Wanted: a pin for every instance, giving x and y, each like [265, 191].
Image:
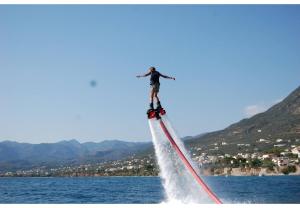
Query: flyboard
[157, 114]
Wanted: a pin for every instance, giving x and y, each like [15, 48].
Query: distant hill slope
[281, 121]
[14, 155]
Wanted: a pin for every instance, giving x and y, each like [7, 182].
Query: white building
[254, 155]
[239, 155]
[296, 150]
[266, 156]
[275, 160]
[285, 153]
[279, 145]
[212, 158]
[130, 167]
[283, 161]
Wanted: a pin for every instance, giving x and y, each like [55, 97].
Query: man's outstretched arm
[144, 75]
[167, 77]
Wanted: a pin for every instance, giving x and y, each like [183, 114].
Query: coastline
[226, 172]
[282, 175]
[260, 171]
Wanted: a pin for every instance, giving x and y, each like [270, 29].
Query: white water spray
[178, 183]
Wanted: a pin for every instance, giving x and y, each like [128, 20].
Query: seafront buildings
[276, 163]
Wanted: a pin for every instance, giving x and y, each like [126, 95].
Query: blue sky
[229, 62]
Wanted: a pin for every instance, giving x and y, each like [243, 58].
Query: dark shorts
[155, 87]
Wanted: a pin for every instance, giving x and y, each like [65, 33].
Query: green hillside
[279, 125]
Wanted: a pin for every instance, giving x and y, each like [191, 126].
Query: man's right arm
[144, 75]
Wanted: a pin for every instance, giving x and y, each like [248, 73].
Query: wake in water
[178, 182]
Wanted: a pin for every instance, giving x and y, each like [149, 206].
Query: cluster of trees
[241, 162]
[289, 169]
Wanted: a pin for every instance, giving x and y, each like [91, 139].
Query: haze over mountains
[281, 121]
[14, 155]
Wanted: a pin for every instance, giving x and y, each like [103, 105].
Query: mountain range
[16, 156]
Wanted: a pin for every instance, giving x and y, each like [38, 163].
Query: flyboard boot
[155, 113]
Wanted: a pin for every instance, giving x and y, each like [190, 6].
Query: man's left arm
[167, 77]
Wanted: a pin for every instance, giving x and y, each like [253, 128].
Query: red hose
[189, 166]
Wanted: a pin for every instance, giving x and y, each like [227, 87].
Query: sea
[142, 190]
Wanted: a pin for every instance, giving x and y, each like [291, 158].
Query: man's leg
[151, 98]
[157, 100]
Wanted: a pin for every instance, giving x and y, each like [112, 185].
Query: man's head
[152, 69]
